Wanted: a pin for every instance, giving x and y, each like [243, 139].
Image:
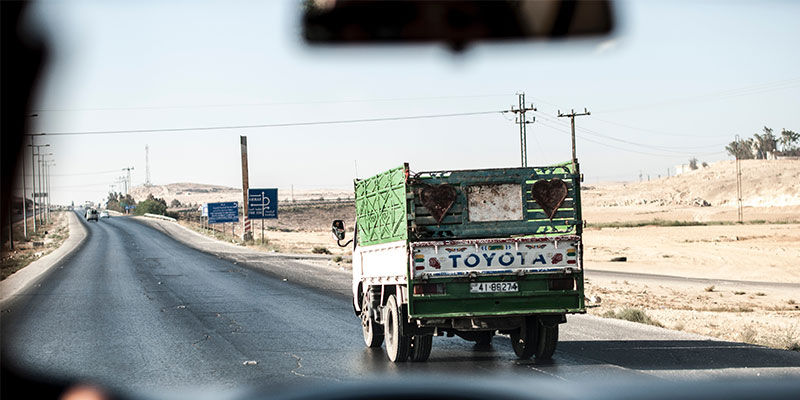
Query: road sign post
[220, 213]
[204, 216]
[262, 204]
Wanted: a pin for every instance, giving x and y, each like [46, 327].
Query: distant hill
[765, 183]
[198, 193]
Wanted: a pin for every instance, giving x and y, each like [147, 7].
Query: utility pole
[50, 163]
[128, 182]
[35, 149]
[522, 120]
[247, 233]
[147, 165]
[41, 188]
[44, 207]
[33, 183]
[739, 186]
[11, 224]
[571, 117]
[24, 201]
[46, 187]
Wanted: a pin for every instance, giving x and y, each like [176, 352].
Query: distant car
[91, 214]
[104, 214]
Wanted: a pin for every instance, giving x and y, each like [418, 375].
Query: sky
[676, 80]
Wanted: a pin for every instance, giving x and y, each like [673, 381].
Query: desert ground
[47, 238]
[679, 226]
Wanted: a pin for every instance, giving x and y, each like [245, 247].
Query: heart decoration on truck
[549, 195]
[437, 199]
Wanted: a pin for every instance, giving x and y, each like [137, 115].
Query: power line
[559, 129]
[652, 130]
[717, 95]
[280, 125]
[85, 173]
[277, 103]
[677, 149]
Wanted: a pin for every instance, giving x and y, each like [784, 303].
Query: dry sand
[765, 249]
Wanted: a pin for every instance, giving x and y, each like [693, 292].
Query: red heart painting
[549, 195]
[437, 199]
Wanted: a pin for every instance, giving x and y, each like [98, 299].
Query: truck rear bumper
[536, 296]
[508, 306]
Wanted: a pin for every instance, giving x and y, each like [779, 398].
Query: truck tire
[484, 338]
[548, 339]
[373, 333]
[524, 340]
[397, 345]
[421, 347]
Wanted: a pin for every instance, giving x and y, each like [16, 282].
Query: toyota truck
[468, 253]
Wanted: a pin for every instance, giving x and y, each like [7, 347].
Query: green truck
[468, 253]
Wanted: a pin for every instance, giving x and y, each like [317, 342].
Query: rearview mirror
[454, 22]
[338, 229]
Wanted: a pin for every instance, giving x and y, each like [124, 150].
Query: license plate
[493, 287]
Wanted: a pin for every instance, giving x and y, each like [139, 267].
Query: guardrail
[301, 203]
[158, 216]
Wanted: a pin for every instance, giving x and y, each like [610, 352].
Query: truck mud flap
[552, 320]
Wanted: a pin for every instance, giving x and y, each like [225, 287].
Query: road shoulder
[296, 268]
[21, 279]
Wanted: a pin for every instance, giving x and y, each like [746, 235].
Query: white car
[91, 214]
[104, 214]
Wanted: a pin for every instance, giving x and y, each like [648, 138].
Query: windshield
[187, 158]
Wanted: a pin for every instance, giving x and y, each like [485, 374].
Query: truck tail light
[561, 284]
[429, 288]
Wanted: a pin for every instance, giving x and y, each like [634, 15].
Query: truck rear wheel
[548, 339]
[484, 338]
[397, 345]
[524, 340]
[373, 333]
[421, 347]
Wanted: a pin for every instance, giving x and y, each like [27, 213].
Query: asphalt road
[134, 308]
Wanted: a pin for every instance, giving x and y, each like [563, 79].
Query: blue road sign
[262, 203]
[130, 207]
[227, 211]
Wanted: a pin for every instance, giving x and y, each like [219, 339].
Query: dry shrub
[320, 250]
[633, 315]
[748, 334]
[787, 338]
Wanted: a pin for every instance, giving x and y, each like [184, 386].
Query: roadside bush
[748, 335]
[151, 205]
[320, 250]
[633, 315]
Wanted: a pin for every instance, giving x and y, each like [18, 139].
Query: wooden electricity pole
[247, 233]
[571, 117]
[739, 186]
[523, 122]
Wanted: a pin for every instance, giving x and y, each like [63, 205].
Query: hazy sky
[678, 79]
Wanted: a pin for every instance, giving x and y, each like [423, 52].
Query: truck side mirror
[338, 229]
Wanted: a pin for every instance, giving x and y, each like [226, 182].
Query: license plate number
[493, 287]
